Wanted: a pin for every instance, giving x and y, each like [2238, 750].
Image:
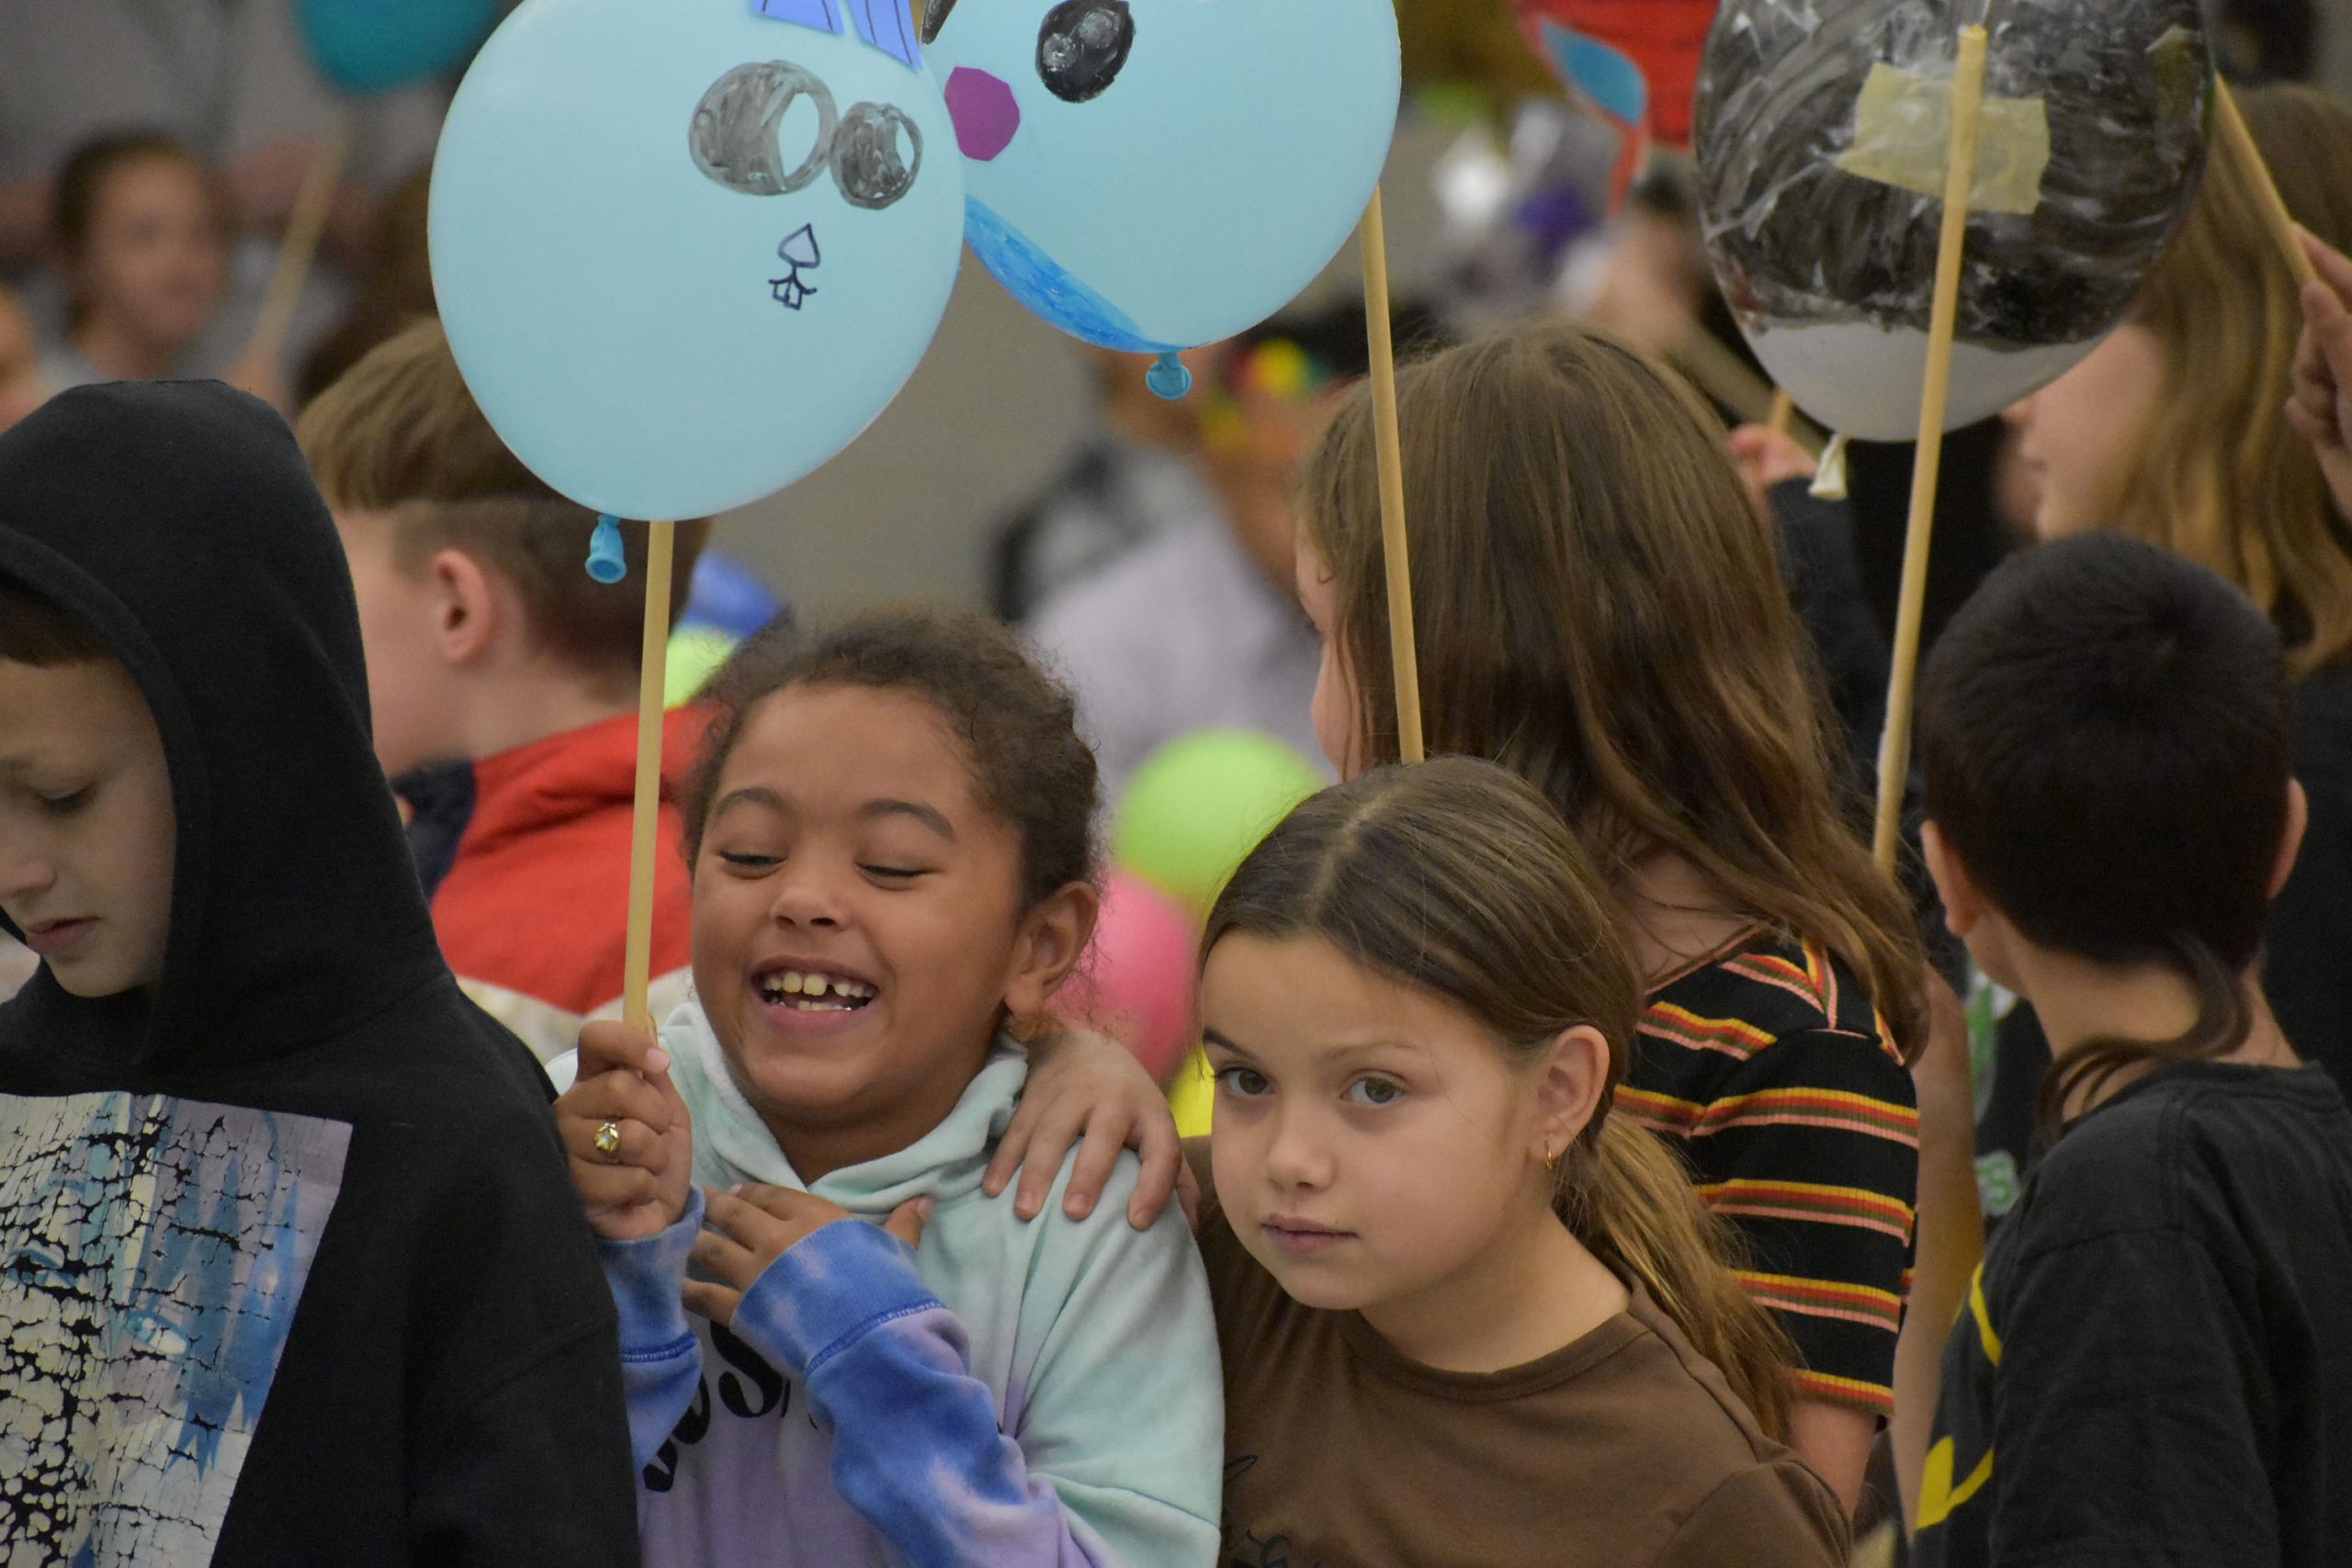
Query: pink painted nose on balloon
[984, 111]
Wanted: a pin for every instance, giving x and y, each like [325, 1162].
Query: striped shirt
[1771, 1070]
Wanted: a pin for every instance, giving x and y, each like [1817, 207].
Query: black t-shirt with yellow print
[2154, 1364]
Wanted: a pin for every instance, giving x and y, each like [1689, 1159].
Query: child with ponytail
[1468, 1315]
[1598, 609]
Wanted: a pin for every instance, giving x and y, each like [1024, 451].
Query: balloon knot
[605, 562]
[1167, 377]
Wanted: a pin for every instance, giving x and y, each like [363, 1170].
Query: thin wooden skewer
[2275, 216]
[1386, 438]
[1960, 182]
[645, 820]
[300, 248]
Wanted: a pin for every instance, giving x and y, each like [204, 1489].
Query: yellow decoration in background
[1191, 1095]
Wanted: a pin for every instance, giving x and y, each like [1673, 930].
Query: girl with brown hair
[1598, 608]
[1467, 1314]
[2171, 430]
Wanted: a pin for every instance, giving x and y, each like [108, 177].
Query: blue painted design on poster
[153, 1254]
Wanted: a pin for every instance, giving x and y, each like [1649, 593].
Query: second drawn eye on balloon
[736, 138]
[1083, 46]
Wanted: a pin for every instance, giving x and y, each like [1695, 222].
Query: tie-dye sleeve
[917, 1448]
[660, 1357]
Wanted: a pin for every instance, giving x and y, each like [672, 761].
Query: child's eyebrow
[751, 795]
[927, 816]
[1211, 1037]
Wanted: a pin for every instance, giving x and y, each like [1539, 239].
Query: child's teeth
[793, 981]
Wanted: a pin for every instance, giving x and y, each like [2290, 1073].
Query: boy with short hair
[290, 1270]
[504, 680]
[2155, 1362]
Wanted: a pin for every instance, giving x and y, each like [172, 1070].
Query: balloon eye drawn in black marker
[1083, 46]
[736, 138]
[866, 163]
[737, 133]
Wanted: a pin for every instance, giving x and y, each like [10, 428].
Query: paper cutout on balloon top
[1154, 174]
[1817, 139]
[686, 252]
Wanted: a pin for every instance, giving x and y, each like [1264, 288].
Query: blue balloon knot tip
[605, 562]
[1167, 377]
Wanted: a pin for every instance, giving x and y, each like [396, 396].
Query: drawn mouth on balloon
[1049, 289]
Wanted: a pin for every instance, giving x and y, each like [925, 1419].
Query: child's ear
[1963, 905]
[2290, 838]
[1569, 1090]
[464, 606]
[1052, 937]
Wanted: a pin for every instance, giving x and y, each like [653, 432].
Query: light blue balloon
[378, 46]
[1154, 174]
[677, 248]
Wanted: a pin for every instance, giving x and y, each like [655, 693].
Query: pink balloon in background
[1136, 981]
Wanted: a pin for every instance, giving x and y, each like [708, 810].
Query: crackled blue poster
[152, 1252]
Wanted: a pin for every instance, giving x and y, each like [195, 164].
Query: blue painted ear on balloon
[686, 253]
[1154, 174]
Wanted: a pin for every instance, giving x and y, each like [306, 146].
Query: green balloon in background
[695, 654]
[1200, 804]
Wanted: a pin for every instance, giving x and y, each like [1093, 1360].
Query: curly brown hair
[1018, 724]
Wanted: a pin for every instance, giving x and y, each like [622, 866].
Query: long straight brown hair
[1599, 609]
[2215, 473]
[1458, 879]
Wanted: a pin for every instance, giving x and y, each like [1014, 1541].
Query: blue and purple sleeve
[660, 1357]
[916, 1446]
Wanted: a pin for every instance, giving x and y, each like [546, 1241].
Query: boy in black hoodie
[290, 1270]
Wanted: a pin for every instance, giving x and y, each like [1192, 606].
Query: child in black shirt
[2155, 1360]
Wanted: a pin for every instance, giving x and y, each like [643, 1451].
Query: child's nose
[23, 871]
[807, 897]
[1299, 1154]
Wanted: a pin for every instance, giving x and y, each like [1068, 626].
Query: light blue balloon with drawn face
[1153, 175]
[685, 251]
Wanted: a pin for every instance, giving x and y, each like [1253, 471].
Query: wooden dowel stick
[1730, 380]
[1406, 663]
[645, 820]
[1784, 411]
[1960, 182]
[2240, 143]
[296, 251]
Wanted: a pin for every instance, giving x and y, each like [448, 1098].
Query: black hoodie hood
[178, 522]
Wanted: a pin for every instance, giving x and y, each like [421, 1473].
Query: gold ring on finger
[608, 1139]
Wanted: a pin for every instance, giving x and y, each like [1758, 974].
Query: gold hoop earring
[1551, 1160]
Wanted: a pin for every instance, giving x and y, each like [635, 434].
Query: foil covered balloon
[1154, 174]
[686, 250]
[1822, 130]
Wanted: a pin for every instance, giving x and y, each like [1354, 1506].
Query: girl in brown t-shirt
[1468, 1319]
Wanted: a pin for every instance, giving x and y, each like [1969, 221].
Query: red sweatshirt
[532, 908]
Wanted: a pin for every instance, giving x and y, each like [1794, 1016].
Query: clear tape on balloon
[1902, 137]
